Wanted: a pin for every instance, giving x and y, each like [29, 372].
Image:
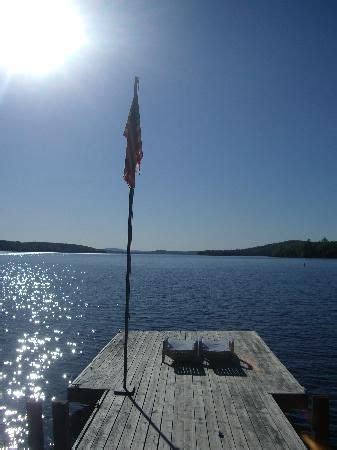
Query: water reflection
[78, 298]
[38, 304]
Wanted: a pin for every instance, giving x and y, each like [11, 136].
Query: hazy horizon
[111, 247]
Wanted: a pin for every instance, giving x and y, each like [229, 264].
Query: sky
[238, 104]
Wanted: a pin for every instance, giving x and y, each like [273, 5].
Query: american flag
[132, 132]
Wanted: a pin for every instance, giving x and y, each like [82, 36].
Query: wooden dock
[184, 407]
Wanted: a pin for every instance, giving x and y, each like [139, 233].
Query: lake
[59, 310]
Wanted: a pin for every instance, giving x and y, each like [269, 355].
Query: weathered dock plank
[133, 406]
[188, 407]
[111, 412]
[152, 436]
[166, 423]
[201, 432]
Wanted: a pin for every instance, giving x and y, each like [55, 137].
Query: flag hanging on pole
[133, 157]
[132, 132]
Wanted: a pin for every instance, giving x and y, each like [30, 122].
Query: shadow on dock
[151, 423]
[196, 370]
[234, 367]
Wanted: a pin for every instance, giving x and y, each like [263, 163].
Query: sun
[38, 36]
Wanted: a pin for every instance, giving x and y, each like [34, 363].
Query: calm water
[57, 311]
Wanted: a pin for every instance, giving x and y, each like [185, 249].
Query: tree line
[286, 249]
[17, 246]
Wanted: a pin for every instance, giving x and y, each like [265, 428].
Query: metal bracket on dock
[124, 391]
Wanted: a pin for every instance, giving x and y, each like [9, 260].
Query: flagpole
[127, 289]
[126, 390]
[134, 155]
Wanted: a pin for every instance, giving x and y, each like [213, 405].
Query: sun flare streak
[38, 36]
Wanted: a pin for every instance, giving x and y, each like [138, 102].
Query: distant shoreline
[285, 249]
[45, 247]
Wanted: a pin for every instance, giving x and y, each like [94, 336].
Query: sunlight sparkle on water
[33, 307]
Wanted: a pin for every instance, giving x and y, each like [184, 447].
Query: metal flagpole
[126, 390]
[134, 155]
[127, 291]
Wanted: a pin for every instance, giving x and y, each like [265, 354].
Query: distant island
[286, 249]
[17, 246]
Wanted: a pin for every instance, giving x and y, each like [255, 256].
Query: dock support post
[35, 424]
[61, 424]
[320, 416]
[231, 345]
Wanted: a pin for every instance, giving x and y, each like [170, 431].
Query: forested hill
[288, 249]
[17, 246]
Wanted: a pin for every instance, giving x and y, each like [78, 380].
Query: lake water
[59, 310]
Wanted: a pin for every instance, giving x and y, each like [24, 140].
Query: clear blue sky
[238, 111]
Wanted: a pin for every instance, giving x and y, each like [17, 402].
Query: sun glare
[38, 36]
